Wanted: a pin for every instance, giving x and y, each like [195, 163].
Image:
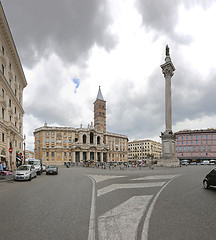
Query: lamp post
[24, 147]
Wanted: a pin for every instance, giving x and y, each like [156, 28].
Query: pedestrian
[4, 166]
[1, 167]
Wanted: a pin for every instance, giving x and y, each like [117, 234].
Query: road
[96, 204]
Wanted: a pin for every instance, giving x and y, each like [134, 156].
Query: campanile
[100, 112]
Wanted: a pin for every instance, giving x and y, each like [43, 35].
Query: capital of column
[168, 69]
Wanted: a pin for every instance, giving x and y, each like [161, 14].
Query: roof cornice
[8, 35]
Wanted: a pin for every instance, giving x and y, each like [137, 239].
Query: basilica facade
[58, 145]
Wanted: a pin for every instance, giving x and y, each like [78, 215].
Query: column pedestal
[168, 157]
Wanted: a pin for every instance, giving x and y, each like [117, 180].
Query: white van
[36, 163]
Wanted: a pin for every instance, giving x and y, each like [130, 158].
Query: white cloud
[123, 55]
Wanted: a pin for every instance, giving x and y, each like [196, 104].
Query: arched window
[98, 140]
[84, 138]
[91, 138]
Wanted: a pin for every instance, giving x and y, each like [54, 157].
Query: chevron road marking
[121, 223]
[156, 177]
[100, 178]
[113, 187]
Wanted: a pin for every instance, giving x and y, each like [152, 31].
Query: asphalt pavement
[91, 204]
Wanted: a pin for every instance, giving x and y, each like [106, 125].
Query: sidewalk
[6, 178]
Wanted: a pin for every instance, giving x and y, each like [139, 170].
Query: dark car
[210, 179]
[52, 169]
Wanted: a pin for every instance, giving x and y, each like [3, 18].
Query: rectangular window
[199, 148]
[184, 149]
[209, 148]
[65, 154]
[10, 66]
[2, 93]
[191, 136]
[211, 136]
[47, 154]
[9, 103]
[211, 141]
[191, 142]
[206, 142]
[206, 136]
[2, 69]
[15, 109]
[10, 82]
[52, 154]
[201, 136]
[3, 137]
[194, 148]
[2, 113]
[187, 137]
[2, 50]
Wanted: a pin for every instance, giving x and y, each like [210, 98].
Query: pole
[24, 148]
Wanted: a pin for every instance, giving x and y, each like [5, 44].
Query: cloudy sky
[69, 48]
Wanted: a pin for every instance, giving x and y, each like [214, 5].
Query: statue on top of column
[167, 51]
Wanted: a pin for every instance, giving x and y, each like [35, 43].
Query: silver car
[52, 169]
[25, 172]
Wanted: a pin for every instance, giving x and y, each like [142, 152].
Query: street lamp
[24, 147]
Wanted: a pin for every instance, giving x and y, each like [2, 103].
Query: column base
[168, 157]
[168, 162]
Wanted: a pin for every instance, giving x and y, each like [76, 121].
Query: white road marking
[156, 177]
[149, 213]
[121, 223]
[113, 187]
[100, 178]
[91, 235]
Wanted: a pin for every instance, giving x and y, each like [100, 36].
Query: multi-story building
[12, 83]
[141, 149]
[29, 154]
[64, 144]
[196, 144]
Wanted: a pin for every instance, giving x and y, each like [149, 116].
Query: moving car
[36, 163]
[210, 179]
[25, 172]
[52, 169]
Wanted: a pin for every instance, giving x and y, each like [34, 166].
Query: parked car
[36, 163]
[184, 162]
[193, 163]
[52, 169]
[43, 167]
[205, 162]
[212, 162]
[25, 172]
[210, 179]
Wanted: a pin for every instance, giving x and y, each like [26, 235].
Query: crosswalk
[122, 221]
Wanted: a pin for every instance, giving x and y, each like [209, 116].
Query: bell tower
[100, 113]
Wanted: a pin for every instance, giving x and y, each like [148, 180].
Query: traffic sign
[10, 150]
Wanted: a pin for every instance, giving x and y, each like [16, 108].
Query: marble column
[88, 156]
[168, 157]
[73, 156]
